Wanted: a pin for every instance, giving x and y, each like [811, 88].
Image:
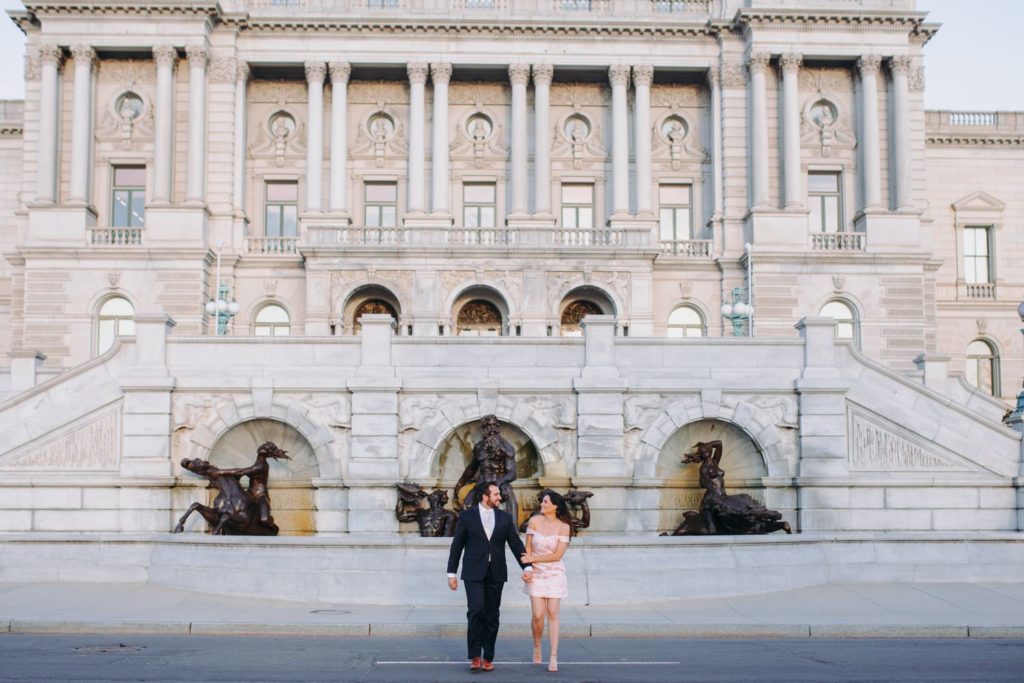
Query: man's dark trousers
[484, 601]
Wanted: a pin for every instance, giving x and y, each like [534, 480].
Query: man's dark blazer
[481, 551]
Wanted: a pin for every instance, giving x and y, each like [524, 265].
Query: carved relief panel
[679, 115]
[478, 131]
[125, 92]
[826, 116]
[277, 129]
[579, 139]
[377, 113]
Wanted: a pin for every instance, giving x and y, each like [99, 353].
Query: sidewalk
[939, 610]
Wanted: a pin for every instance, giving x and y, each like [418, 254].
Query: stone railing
[981, 290]
[592, 237]
[115, 237]
[838, 241]
[356, 235]
[658, 10]
[548, 237]
[699, 249]
[481, 236]
[1007, 122]
[271, 245]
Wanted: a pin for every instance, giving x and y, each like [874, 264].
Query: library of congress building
[356, 227]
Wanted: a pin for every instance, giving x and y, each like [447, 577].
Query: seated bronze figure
[433, 520]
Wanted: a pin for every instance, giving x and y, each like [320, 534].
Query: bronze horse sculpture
[236, 511]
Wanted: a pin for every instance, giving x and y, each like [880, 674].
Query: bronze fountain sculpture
[434, 520]
[494, 459]
[579, 508]
[720, 512]
[237, 511]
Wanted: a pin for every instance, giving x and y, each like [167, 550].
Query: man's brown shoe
[488, 665]
[475, 664]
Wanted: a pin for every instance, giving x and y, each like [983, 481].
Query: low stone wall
[603, 570]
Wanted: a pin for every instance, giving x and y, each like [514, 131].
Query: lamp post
[739, 310]
[221, 307]
[1016, 418]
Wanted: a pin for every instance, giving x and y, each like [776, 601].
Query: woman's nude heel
[553, 664]
[537, 657]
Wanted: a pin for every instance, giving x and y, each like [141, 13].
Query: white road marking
[560, 663]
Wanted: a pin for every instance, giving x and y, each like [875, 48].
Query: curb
[403, 630]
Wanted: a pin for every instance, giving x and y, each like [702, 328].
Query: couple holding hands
[481, 534]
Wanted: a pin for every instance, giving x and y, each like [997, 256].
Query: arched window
[115, 320]
[685, 321]
[480, 318]
[573, 315]
[271, 321]
[846, 321]
[983, 366]
[371, 306]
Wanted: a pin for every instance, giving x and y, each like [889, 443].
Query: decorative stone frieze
[95, 445]
[734, 75]
[223, 70]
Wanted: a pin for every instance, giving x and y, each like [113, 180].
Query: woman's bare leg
[553, 608]
[538, 607]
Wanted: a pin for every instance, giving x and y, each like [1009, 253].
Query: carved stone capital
[84, 55]
[198, 56]
[223, 70]
[714, 76]
[519, 74]
[734, 75]
[542, 74]
[340, 72]
[417, 72]
[440, 72]
[791, 62]
[643, 75]
[165, 55]
[316, 72]
[618, 74]
[900, 65]
[869, 65]
[758, 62]
[50, 55]
[242, 71]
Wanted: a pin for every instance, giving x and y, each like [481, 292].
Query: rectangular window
[479, 209]
[128, 205]
[576, 5]
[282, 209]
[577, 206]
[382, 4]
[674, 205]
[824, 202]
[381, 205]
[977, 265]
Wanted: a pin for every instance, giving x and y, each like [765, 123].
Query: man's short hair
[483, 488]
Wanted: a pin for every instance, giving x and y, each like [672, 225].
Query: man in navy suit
[482, 531]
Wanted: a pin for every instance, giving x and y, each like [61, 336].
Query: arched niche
[456, 451]
[370, 299]
[291, 488]
[742, 461]
[480, 311]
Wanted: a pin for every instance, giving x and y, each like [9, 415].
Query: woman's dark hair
[561, 508]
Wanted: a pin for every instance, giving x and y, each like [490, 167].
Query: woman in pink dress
[547, 537]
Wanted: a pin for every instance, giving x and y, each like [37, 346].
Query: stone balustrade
[115, 237]
[271, 245]
[571, 238]
[838, 241]
[698, 249]
[583, 10]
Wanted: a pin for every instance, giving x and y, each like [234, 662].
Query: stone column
[166, 58]
[519, 75]
[715, 82]
[868, 66]
[619, 77]
[316, 72]
[417, 137]
[440, 74]
[340, 72]
[792, 187]
[900, 68]
[241, 126]
[81, 124]
[198, 58]
[50, 57]
[757, 64]
[642, 77]
[542, 75]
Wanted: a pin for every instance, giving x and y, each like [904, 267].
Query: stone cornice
[11, 130]
[122, 7]
[966, 139]
[836, 20]
[840, 258]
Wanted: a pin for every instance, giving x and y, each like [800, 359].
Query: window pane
[282, 192]
[674, 194]
[121, 199]
[823, 182]
[262, 331]
[837, 310]
[568, 218]
[272, 314]
[125, 327]
[831, 206]
[682, 224]
[105, 336]
[844, 330]
[381, 192]
[979, 348]
[684, 315]
[372, 217]
[586, 219]
[815, 206]
[282, 331]
[667, 226]
[117, 307]
[469, 216]
[138, 208]
[577, 194]
[389, 216]
[289, 221]
[273, 223]
[129, 176]
[487, 217]
[478, 193]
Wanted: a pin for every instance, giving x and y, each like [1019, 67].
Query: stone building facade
[637, 172]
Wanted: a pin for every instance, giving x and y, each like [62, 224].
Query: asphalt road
[402, 660]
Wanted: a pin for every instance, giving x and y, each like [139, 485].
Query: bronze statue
[434, 521]
[236, 511]
[720, 512]
[494, 459]
[579, 509]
